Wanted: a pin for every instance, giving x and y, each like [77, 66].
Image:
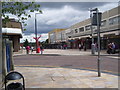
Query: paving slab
[41, 77]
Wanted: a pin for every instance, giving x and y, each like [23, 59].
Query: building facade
[56, 37]
[13, 31]
[80, 33]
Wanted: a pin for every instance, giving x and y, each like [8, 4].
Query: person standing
[109, 50]
[113, 48]
[41, 49]
[96, 47]
[32, 48]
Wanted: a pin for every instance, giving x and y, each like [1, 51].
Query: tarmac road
[75, 61]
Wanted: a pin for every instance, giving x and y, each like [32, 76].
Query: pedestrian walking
[79, 46]
[27, 49]
[84, 47]
[64, 46]
[109, 48]
[61, 47]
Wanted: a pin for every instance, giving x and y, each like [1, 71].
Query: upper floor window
[87, 27]
[114, 20]
[81, 29]
[118, 19]
[76, 30]
[103, 23]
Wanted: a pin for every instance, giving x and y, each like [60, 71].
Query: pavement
[68, 52]
[57, 77]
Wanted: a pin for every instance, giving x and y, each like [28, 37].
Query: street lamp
[96, 20]
[36, 32]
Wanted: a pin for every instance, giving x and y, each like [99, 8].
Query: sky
[61, 15]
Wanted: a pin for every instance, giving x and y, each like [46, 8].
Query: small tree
[19, 9]
[26, 43]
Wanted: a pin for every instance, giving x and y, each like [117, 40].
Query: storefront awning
[12, 31]
[71, 40]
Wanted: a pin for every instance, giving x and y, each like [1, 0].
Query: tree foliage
[26, 43]
[19, 9]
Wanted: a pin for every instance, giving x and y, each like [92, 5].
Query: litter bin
[14, 85]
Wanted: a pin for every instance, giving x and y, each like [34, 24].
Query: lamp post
[96, 20]
[36, 32]
[98, 33]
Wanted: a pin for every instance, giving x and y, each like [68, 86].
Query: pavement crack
[52, 78]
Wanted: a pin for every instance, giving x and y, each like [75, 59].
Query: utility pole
[36, 33]
[98, 33]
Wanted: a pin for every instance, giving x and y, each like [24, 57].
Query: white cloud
[67, 14]
[43, 37]
[108, 6]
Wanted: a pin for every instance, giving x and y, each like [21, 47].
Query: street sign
[94, 19]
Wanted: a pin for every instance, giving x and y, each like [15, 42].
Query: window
[87, 27]
[69, 36]
[81, 29]
[103, 23]
[114, 20]
[76, 30]
[93, 27]
[118, 19]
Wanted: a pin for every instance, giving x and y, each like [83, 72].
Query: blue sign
[8, 56]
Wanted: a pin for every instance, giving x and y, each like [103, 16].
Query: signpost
[96, 20]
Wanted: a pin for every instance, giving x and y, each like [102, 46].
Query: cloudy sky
[61, 15]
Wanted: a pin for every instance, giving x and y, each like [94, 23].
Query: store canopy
[12, 31]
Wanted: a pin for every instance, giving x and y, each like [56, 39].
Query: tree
[46, 41]
[26, 43]
[19, 9]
